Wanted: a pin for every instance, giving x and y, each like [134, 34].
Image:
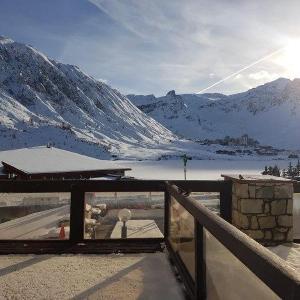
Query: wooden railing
[76, 243]
[77, 188]
[279, 278]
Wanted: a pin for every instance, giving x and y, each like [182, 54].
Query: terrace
[170, 222]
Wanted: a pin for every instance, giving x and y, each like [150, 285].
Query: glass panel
[210, 199]
[124, 215]
[181, 235]
[296, 215]
[34, 216]
[227, 277]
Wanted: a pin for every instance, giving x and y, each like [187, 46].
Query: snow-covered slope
[269, 113]
[44, 101]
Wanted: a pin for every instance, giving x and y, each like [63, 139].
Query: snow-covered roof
[41, 160]
[255, 178]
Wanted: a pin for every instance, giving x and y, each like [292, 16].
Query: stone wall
[263, 210]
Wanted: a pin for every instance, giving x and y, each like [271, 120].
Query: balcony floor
[123, 276]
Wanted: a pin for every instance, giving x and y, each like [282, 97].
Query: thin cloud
[115, 17]
[154, 46]
[263, 75]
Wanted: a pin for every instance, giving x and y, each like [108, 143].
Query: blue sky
[144, 47]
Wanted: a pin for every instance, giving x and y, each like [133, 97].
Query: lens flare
[289, 59]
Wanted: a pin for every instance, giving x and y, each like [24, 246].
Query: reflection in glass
[102, 215]
[296, 216]
[209, 199]
[34, 216]
[227, 277]
[181, 235]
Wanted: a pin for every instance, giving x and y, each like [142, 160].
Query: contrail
[243, 69]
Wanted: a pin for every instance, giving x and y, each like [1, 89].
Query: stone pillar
[262, 207]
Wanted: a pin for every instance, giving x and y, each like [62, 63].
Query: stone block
[244, 221]
[289, 207]
[286, 221]
[278, 236]
[290, 235]
[278, 207]
[266, 222]
[268, 235]
[233, 188]
[264, 192]
[264, 184]
[267, 208]
[254, 223]
[252, 206]
[252, 190]
[240, 220]
[234, 202]
[255, 234]
[282, 229]
[235, 218]
[284, 191]
[241, 190]
[238, 204]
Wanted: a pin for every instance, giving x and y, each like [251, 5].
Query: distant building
[46, 162]
[244, 140]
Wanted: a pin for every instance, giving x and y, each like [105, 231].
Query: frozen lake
[197, 169]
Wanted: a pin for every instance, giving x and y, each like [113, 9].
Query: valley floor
[198, 169]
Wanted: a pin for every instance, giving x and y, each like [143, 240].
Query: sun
[289, 58]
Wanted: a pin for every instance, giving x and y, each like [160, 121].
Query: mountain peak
[171, 93]
[5, 40]
[52, 101]
[279, 83]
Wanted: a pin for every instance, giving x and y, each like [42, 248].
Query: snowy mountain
[44, 101]
[269, 113]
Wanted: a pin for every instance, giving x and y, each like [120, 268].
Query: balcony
[113, 276]
[173, 246]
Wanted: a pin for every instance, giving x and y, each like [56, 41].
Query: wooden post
[200, 269]
[226, 203]
[77, 216]
[167, 215]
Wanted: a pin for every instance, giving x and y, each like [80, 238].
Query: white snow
[269, 113]
[51, 160]
[289, 253]
[116, 277]
[197, 169]
[44, 101]
[53, 102]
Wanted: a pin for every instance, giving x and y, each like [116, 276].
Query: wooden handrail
[272, 270]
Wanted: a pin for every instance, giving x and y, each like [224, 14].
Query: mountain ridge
[43, 101]
[269, 113]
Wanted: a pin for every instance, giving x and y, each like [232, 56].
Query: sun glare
[289, 58]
